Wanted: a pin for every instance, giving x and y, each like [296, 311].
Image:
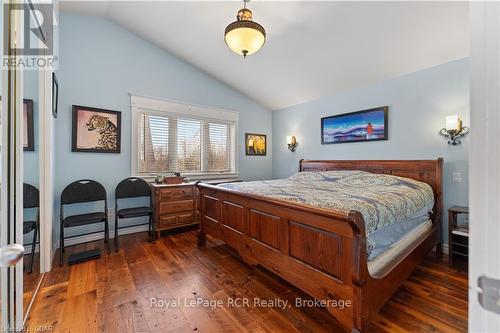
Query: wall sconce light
[291, 142]
[454, 130]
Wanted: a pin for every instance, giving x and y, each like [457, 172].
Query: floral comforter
[382, 199]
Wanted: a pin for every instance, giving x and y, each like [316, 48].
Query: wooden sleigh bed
[320, 251]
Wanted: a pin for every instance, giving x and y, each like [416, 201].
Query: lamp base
[454, 135]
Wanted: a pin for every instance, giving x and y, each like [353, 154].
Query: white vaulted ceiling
[313, 49]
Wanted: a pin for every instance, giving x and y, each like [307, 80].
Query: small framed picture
[28, 127]
[96, 130]
[256, 144]
[55, 94]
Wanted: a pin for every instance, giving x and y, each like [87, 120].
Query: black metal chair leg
[153, 228]
[61, 246]
[106, 236]
[149, 226]
[33, 245]
[116, 233]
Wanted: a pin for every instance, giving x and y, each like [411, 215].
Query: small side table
[458, 236]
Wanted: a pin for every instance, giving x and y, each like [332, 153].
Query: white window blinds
[169, 140]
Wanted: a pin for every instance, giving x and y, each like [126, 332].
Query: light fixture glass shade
[453, 123]
[289, 139]
[244, 36]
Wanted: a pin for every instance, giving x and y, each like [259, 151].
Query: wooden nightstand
[176, 205]
[458, 236]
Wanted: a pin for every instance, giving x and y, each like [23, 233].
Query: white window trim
[162, 107]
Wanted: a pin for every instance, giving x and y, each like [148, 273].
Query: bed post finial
[300, 164]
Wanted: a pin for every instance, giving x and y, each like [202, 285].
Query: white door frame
[46, 159]
[11, 279]
[484, 177]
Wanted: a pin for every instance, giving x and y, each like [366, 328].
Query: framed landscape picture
[28, 139]
[255, 144]
[360, 126]
[28, 126]
[95, 130]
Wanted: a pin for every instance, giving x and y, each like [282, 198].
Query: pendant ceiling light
[244, 36]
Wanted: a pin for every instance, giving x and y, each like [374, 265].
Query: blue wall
[100, 64]
[418, 104]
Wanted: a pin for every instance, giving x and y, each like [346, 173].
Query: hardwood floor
[30, 280]
[114, 294]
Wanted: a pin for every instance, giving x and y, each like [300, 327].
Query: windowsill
[199, 176]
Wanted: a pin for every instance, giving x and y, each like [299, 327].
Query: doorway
[25, 193]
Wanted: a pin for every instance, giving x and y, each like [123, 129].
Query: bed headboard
[427, 171]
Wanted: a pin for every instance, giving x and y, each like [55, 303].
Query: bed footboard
[319, 251]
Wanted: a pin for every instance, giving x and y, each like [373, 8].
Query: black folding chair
[133, 187]
[31, 199]
[82, 191]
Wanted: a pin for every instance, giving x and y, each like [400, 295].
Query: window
[193, 140]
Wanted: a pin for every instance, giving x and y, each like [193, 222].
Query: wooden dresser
[176, 205]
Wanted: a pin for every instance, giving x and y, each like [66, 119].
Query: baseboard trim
[27, 249]
[446, 249]
[100, 235]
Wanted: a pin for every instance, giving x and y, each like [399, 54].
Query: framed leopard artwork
[95, 130]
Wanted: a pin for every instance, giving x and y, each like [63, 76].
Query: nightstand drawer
[176, 193]
[460, 240]
[168, 221]
[460, 249]
[176, 206]
[185, 218]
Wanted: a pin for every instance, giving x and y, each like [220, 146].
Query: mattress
[387, 260]
[383, 200]
[384, 238]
